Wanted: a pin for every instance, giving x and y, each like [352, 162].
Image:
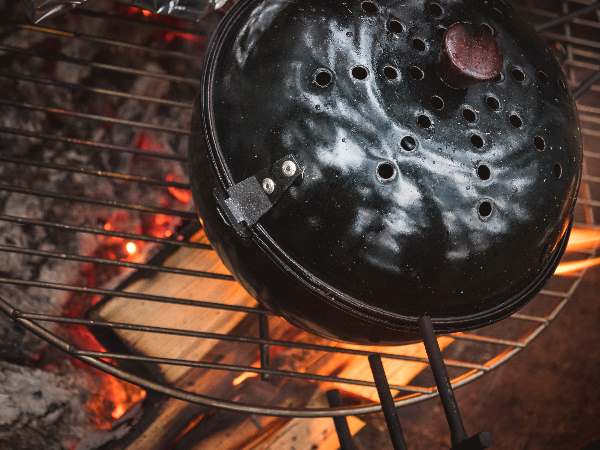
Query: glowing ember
[131, 248]
[243, 377]
[132, 10]
[182, 195]
[112, 399]
[170, 36]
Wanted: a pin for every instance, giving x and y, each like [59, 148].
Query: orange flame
[569, 267]
[112, 400]
[581, 240]
[243, 377]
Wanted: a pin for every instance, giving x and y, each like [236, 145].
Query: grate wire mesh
[470, 356]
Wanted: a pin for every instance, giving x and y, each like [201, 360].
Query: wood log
[197, 428]
[178, 316]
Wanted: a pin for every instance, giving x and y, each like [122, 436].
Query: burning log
[194, 427]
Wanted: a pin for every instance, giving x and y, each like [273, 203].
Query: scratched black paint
[343, 253]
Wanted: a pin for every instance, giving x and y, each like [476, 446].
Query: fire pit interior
[103, 258]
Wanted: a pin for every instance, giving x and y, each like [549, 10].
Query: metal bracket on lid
[250, 199]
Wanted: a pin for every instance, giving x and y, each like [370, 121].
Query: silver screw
[289, 168]
[268, 185]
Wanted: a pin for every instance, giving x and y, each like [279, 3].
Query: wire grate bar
[108, 203]
[588, 109]
[114, 262]
[103, 232]
[95, 90]
[98, 362]
[584, 89]
[96, 173]
[61, 57]
[258, 370]
[585, 86]
[551, 15]
[576, 64]
[571, 40]
[551, 293]
[487, 339]
[588, 202]
[105, 41]
[568, 17]
[240, 339]
[132, 296]
[582, 55]
[145, 23]
[96, 117]
[529, 318]
[91, 144]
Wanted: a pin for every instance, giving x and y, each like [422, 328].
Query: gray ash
[24, 113]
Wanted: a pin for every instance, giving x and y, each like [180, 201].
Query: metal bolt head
[268, 185]
[289, 168]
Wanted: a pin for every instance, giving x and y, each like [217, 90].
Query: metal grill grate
[469, 357]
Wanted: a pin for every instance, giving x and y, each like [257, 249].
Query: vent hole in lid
[440, 31]
[518, 74]
[395, 26]
[423, 121]
[485, 209]
[516, 121]
[477, 141]
[469, 115]
[493, 103]
[558, 171]
[435, 10]
[416, 73]
[539, 143]
[369, 7]
[390, 73]
[437, 102]
[483, 172]
[487, 29]
[419, 44]
[323, 77]
[360, 72]
[499, 78]
[542, 76]
[408, 143]
[386, 171]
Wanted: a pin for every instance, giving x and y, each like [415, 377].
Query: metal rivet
[289, 168]
[268, 185]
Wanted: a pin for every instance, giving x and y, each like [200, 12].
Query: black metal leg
[341, 423]
[460, 441]
[387, 403]
[263, 331]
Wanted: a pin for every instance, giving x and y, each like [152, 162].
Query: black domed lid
[416, 195]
